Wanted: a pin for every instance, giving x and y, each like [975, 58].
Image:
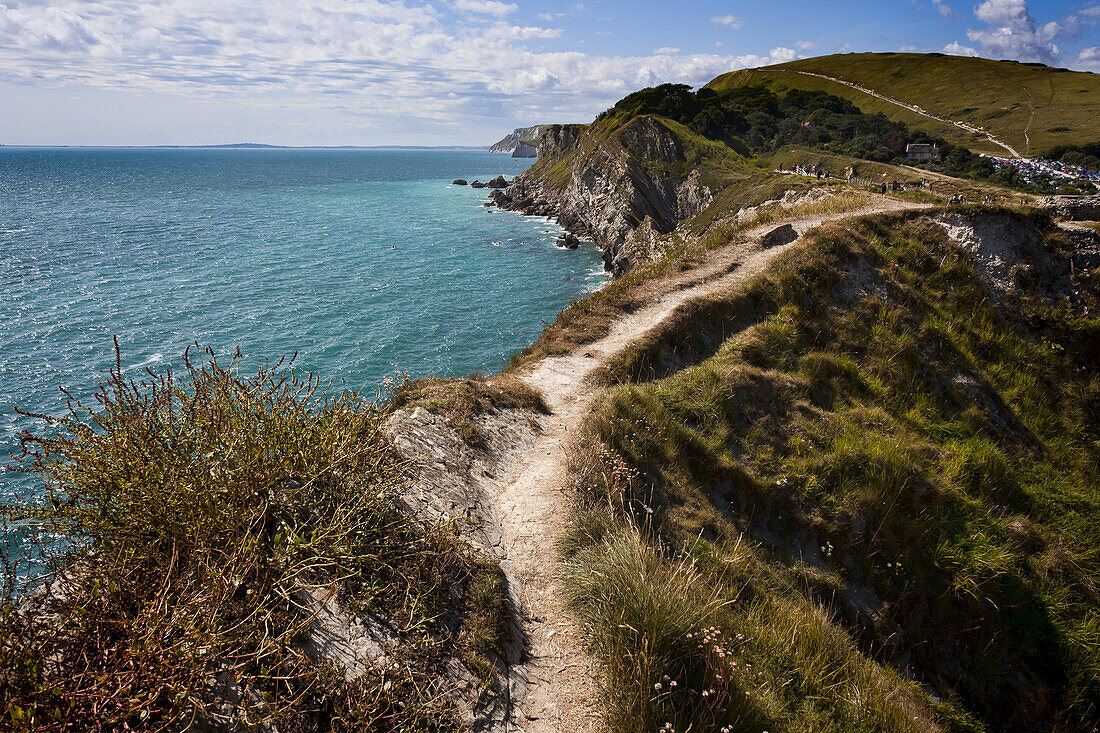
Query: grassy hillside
[1030, 106]
[859, 493]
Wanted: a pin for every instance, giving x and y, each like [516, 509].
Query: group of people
[810, 171]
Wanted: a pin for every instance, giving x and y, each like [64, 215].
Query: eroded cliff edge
[620, 187]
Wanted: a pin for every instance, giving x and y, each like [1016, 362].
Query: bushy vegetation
[203, 519]
[863, 460]
[753, 120]
[758, 120]
[1054, 106]
[1086, 156]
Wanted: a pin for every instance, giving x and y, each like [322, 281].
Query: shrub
[195, 512]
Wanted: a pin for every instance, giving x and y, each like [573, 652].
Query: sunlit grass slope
[862, 492]
[1008, 98]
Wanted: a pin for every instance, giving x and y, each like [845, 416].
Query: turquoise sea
[363, 262]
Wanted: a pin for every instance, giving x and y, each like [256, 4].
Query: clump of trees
[1086, 156]
[756, 119]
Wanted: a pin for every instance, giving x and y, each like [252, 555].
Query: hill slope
[1031, 107]
[856, 491]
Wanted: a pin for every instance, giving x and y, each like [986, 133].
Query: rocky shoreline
[617, 191]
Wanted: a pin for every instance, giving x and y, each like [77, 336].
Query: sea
[364, 263]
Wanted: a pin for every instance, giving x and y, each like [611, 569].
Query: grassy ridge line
[878, 453]
[780, 80]
[1055, 106]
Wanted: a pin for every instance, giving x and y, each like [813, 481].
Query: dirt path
[919, 111]
[562, 694]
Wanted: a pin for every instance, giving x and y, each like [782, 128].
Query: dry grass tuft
[183, 516]
[460, 401]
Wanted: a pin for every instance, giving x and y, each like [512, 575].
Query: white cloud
[381, 65]
[1012, 32]
[1089, 58]
[488, 7]
[51, 29]
[781, 55]
[944, 9]
[729, 21]
[525, 33]
[957, 49]
[940, 5]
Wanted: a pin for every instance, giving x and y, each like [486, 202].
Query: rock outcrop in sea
[568, 241]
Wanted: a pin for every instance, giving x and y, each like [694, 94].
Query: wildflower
[657, 686]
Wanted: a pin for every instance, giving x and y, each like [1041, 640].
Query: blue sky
[373, 72]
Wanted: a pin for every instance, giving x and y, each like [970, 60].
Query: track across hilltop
[914, 108]
[1003, 108]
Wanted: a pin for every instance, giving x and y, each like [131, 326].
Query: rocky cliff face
[524, 150]
[622, 190]
[1073, 208]
[521, 135]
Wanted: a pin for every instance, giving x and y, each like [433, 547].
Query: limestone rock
[355, 644]
[1073, 208]
[523, 150]
[1086, 246]
[450, 480]
[612, 187]
[779, 236]
[568, 241]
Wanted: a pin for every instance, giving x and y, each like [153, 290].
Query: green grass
[997, 95]
[194, 511]
[590, 318]
[860, 449]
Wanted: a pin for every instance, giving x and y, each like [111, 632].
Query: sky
[445, 72]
